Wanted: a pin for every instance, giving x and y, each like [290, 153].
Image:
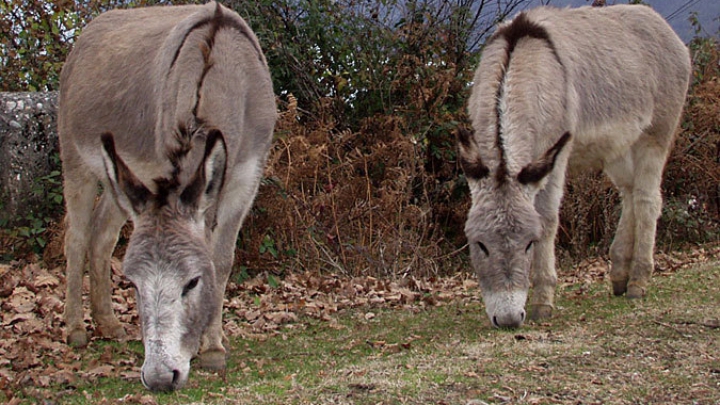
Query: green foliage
[36, 36]
[704, 51]
[352, 66]
[34, 43]
[273, 282]
[32, 234]
[354, 59]
[268, 246]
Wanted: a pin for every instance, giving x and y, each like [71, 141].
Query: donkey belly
[594, 148]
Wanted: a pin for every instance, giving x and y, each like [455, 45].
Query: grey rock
[28, 151]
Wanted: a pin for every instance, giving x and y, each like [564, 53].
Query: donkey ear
[470, 160]
[537, 170]
[207, 182]
[130, 192]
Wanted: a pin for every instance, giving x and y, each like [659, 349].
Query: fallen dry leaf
[32, 301]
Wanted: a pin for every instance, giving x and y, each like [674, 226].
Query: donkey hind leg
[544, 275]
[234, 204]
[621, 251]
[80, 190]
[649, 157]
[108, 219]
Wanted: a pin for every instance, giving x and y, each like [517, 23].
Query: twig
[712, 324]
[667, 325]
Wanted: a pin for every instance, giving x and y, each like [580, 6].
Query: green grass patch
[596, 349]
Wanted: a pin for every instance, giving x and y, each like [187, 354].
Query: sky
[676, 12]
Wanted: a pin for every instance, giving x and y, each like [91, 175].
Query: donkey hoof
[538, 312]
[212, 360]
[114, 331]
[635, 292]
[619, 287]
[77, 338]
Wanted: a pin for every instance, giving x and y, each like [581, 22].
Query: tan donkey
[581, 88]
[171, 110]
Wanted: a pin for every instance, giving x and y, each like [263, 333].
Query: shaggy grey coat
[583, 88]
[171, 110]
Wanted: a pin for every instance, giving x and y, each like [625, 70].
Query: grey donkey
[584, 89]
[171, 110]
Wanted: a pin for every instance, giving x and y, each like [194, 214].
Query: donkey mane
[185, 132]
[520, 27]
[217, 21]
[167, 186]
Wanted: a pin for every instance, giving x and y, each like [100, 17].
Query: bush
[362, 177]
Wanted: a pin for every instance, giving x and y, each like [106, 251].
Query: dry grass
[358, 341]
[597, 350]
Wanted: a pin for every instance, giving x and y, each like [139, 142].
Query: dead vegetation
[455, 352]
[378, 202]
[384, 196]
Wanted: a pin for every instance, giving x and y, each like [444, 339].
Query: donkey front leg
[108, 219]
[544, 275]
[649, 157]
[214, 345]
[234, 204]
[621, 251]
[79, 192]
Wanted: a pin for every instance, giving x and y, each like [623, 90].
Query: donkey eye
[530, 245]
[483, 248]
[190, 286]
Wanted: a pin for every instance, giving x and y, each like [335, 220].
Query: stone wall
[28, 150]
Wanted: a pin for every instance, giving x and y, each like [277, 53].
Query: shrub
[362, 177]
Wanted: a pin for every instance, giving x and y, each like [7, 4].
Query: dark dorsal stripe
[186, 131]
[520, 27]
[216, 22]
[220, 20]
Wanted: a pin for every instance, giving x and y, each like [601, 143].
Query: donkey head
[169, 260]
[503, 226]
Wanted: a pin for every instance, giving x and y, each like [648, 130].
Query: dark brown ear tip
[565, 137]
[214, 135]
[535, 172]
[462, 132]
[463, 135]
[108, 141]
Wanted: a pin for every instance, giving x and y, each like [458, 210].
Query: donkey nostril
[522, 316]
[176, 377]
[495, 322]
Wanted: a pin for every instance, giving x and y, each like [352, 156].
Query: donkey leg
[649, 157]
[214, 345]
[107, 222]
[544, 275]
[79, 192]
[234, 204]
[621, 251]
